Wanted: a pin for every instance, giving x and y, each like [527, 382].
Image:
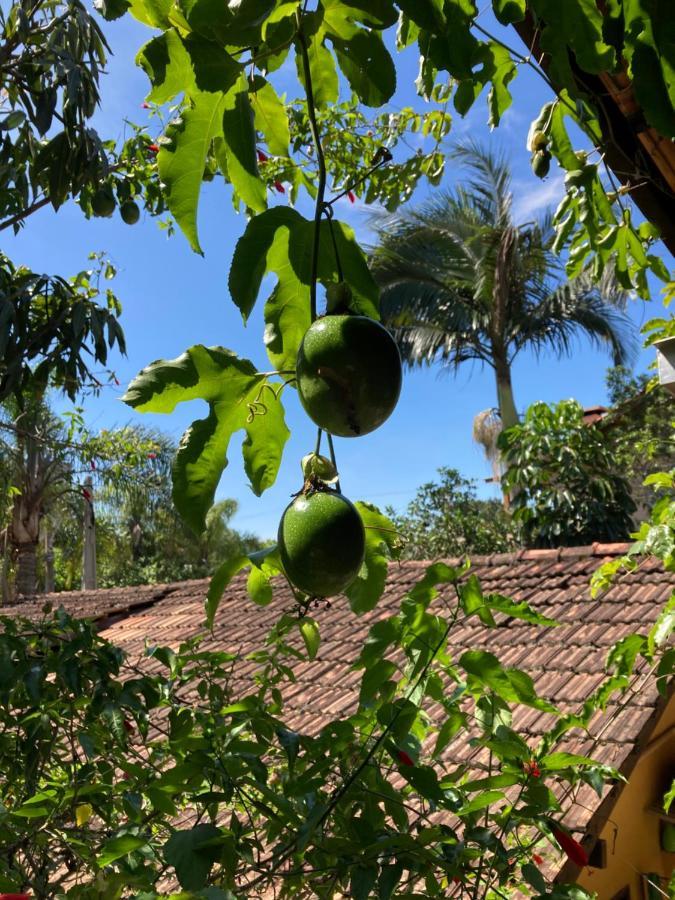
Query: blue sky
[173, 298]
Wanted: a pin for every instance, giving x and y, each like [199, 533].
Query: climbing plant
[224, 797]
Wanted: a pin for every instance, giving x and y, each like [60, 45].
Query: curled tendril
[258, 407]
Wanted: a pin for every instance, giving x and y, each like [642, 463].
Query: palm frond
[581, 305]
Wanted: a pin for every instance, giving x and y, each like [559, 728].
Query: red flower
[571, 847]
[539, 860]
[351, 197]
[279, 187]
[153, 148]
[531, 768]
[152, 456]
[145, 106]
[262, 157]
[404, 758]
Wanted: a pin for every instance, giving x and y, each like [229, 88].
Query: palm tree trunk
[505, 401]
[26, 570]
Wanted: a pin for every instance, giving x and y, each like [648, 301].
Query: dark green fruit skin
[349, 374]
[103, 203]
[130, 212]
[321, 543]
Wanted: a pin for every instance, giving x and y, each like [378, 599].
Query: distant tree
[52, 56]
[569, 488]
[640, 424]
[446, 518]
[462, 280]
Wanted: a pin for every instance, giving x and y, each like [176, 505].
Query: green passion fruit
[130, 212]
[321, 543]
[103, 202]
[348, 374]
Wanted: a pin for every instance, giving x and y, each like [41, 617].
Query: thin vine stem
[331, 450]
[320, 158]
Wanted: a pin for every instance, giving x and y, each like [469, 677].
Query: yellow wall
[632, 834]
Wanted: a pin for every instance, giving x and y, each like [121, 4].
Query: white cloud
[529, 201]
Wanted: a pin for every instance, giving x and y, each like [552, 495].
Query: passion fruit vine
[348, 374]
[321, 543]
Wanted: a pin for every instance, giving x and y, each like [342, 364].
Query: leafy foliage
[50, 326]
[235, 393]
[124, 777]
[447, 519]
[640, 425]
[567, 488]
[75, 715]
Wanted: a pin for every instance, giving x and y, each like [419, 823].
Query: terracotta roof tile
[567, 662]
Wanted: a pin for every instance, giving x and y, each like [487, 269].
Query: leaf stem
[321, 161]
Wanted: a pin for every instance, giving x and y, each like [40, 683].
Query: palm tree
[461, 280]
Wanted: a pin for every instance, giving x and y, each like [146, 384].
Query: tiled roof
[567, 663]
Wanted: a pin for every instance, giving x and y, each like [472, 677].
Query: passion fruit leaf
[279, 240]
[234, 391]
[310, 635]
[270, 116]
[509, 11]
[382, 545]
[287, 310]
[321, 62]
[367, 65]
[182, 158]
[154, 13]
[239, 141]
[427, 14]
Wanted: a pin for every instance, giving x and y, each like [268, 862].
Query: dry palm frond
[487, 426]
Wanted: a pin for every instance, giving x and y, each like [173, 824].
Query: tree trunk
[505, 401]
[26, 569]
[507, 411]
[49, 560]
[89, 540]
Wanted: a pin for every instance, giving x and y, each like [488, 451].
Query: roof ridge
[618, 548]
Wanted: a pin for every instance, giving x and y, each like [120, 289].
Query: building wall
[632, 834]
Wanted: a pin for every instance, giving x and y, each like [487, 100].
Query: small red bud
[116, 380]
[93, 465]
[153, 148]
[128, 727]
[351, 197]
[86, 494]
[262, 157]
[279, 187]
[145, 106]
[539, 860]
[532, 768]
[152, 456]
[404, 758]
